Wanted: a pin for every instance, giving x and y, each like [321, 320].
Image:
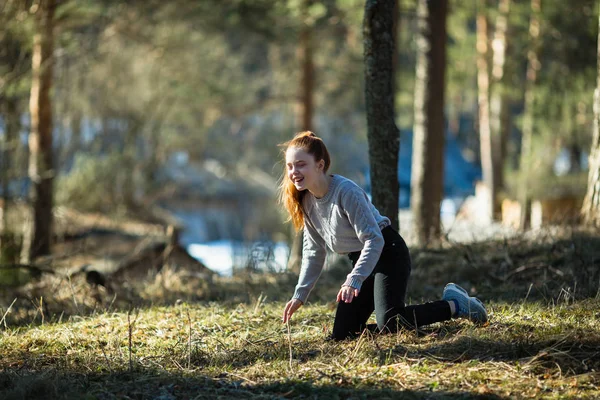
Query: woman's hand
[347, 294]
[290, 309]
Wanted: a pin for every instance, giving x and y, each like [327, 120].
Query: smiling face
[302, 168]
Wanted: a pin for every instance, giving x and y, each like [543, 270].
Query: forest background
[183, 106]
[132, 131]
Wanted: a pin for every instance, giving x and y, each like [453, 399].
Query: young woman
[334, 212]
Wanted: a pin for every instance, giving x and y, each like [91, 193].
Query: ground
[173, 333]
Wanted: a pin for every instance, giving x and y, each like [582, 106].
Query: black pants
[384, 292]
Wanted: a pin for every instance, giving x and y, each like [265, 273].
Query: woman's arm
[313, 259]
[359, 211]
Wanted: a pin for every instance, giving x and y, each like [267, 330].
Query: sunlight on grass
[527, 350]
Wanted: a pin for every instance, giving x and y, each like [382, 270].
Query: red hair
[289, 196]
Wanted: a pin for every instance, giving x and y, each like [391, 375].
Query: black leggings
[384, 292]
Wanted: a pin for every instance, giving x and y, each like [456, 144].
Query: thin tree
[14, 62]
[428, 140]
[305, 110]
[38, 235]
[382, 134]
[8, 146]
[483, 92]
[533, 66]
[499, 102]
[591, 203]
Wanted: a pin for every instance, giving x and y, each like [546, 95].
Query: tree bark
[499, 116]
[307, 80]
[485, 134]
[382, 134]
[591, 204]
[427, 180]
[8, 145]
[41, 170]
[533, 65]
[305, 113]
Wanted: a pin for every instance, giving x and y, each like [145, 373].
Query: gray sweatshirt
[346, 221]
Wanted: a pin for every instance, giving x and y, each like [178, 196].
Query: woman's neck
[322, 186]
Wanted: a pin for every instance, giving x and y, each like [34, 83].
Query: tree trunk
[305, 113]
[129, 171]
[41, 171]
[382, 133]
[591, 204]
[533, 65]
[485, 134]
[70, 142]
[427, 178]
[307, 79]
[499, 104]
[8, 147]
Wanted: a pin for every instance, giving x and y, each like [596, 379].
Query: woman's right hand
[290, 309]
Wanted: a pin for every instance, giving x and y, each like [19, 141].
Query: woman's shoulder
[347, 186]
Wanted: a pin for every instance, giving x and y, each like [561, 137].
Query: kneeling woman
[336, 213]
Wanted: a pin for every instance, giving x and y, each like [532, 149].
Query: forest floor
[178, 332]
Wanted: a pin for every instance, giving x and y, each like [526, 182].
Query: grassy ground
[529, 350]
[172, 336]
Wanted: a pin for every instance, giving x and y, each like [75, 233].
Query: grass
[170, 336]
[529, 350]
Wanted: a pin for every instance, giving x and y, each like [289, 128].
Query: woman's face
[302, 168]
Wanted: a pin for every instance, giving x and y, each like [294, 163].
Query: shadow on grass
[52, 384]
[569, 352]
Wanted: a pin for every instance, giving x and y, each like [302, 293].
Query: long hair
[289, 196]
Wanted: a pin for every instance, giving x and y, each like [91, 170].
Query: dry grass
[215, 351]
[171, 335]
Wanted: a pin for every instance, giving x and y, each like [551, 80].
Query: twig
[241, 377]
[356, 348]
[42, 308]
[289, 332]
[3, 321]
[131, 324]
[527, 295]
[130, 328]
[416, 325]
[189, 361]
[73, 294]
[105, 356]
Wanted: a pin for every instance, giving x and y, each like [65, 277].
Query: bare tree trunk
[591, 204]
[305, 113]
[427, 180]
[498, 104]
[485, 134]
[41, 170]
[307, 80]
[382, 133]
[533, 65]
[71, 84]
[8, 146]
[128, 172]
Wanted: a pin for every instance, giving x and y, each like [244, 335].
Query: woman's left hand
[347, 294]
